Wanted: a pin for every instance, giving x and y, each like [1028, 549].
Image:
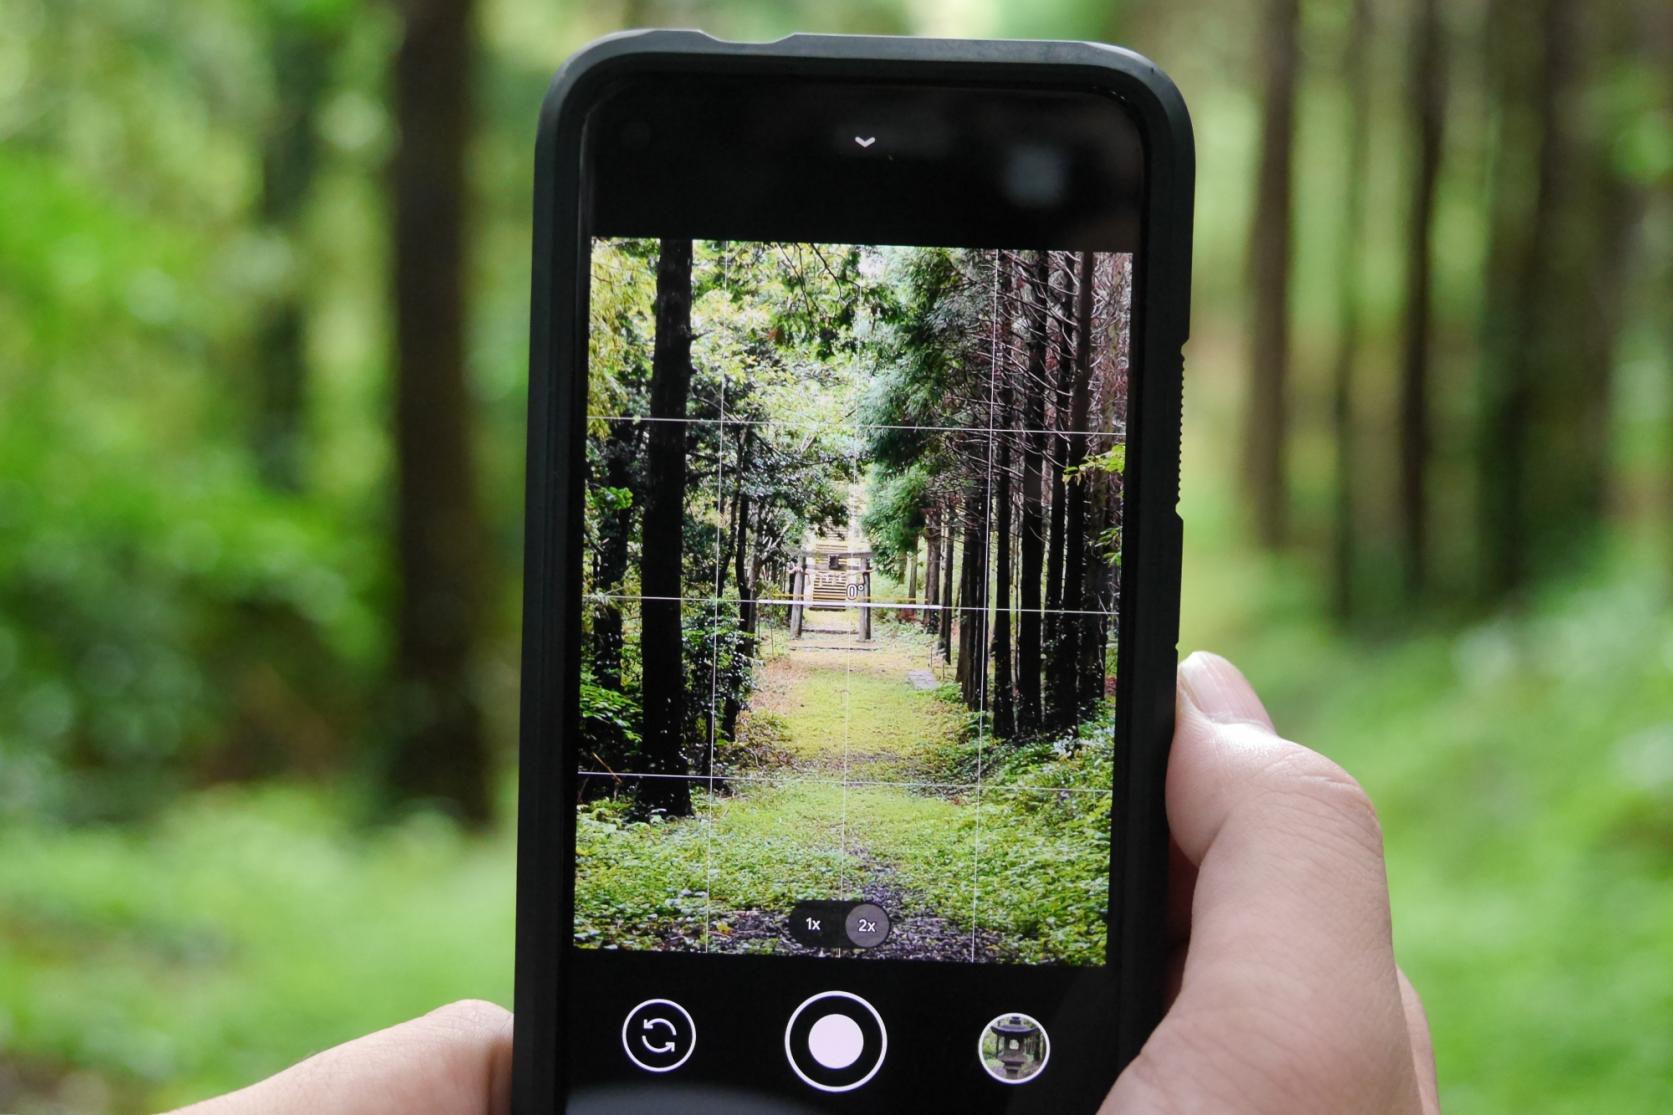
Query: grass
[1024, 865]
[1523, 769]
[148, 967]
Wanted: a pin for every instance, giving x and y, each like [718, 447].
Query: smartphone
[852, 574]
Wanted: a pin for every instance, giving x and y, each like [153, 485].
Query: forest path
[854, 710]
[857, 729]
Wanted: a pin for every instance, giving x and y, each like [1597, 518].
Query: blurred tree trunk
[440, 752]
[1511, 55]
[1267, 416]
[1531, 52]
[1610, 206]
[1356, 73]
[663, 542]
[1426, 100]
[301, 54]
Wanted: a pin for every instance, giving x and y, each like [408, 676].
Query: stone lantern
[1021, 1046]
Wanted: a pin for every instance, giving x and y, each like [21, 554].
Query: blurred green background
[1428, 496]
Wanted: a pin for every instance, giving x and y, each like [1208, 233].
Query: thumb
[1289, 1000]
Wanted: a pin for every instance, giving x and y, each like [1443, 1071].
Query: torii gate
[830, 577]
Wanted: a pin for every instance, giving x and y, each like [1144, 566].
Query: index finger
[456, 1060]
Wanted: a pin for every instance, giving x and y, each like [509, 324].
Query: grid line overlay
[857, 426]
[733, 469]
[875, 606]
[938, 788]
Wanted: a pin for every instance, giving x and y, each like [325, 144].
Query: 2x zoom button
[658, 1035]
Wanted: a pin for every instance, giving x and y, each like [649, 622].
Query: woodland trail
[854, 729]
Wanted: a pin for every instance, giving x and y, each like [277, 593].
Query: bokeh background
[263, 309]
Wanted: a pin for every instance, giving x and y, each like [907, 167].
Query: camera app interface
[853, 522]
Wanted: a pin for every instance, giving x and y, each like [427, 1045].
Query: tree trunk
[1426, 96]
[302, 56]
[1588, 277]
[733, 705]
[615, 527]
[1530, 57]
[1089, 648]
[1062, 390]
[972, 659]
[1267, 414]
[932, 568]
[944, 642]
[1500, 515]
[1065, 660]
[662, 541]
[1002, 701]
[1356, 73]
[1029, 707]
[440, 752]
[752, 621]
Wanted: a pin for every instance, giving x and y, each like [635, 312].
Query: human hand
[456, 1060]
[1288, 1000]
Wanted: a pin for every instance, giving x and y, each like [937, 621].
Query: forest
[853, 528]
[263, 368]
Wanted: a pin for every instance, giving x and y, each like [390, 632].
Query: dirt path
[852, 723]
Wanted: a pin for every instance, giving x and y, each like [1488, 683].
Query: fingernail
[1220, 691]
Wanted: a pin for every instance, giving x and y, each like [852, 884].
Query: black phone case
[1149, 603]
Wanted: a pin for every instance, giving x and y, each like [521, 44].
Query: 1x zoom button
[658, 1035]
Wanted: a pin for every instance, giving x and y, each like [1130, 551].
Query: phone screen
[844, 767]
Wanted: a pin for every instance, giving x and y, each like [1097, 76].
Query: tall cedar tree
[302, 48]
[1063, 310]
[973, 579]
[614, 528]
[1624, 34]
[1426, 96]
[439, 750]
[944, 636]
[1065, 703]
[1356, 74]
[1531, 62]
[1029, 705]
[732, 707]
[932, 567]
[1004, 701]
[1266, 430]
[662, 541]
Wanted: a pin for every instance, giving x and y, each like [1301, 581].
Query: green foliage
[894, 518]
[607, 713]
[240, 931]
[1112, 462]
